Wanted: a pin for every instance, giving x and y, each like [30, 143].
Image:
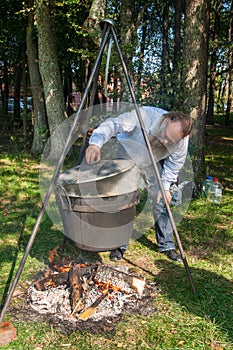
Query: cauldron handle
[58, 191]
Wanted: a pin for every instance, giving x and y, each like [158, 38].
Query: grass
[182, 321]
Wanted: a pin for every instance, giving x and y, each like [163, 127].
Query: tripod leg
[54, 178]
[154, 164]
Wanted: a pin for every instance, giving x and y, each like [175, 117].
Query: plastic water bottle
[214, 193]
[206, 185]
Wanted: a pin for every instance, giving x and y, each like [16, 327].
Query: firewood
[52, 281]
[76, 289]
[91, 309]
[121, 280]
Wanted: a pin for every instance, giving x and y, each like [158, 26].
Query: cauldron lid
[103, 169]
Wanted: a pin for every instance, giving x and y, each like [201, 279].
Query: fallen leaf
[119, 345]
[216, 346]
[181, 342]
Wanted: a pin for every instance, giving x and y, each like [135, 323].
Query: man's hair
[186, 121]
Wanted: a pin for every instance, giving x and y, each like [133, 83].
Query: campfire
[80, 294]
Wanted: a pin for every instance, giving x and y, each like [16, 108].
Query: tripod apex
[107, 21]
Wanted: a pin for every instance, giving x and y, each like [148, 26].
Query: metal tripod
[109, 30]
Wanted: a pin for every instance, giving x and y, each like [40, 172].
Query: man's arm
[174, 163]
[124, 123]
[171, 168]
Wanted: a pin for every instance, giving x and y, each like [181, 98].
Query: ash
[57, 301]
[54, 304]
[52, 301]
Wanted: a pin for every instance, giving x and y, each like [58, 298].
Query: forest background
[179, 56]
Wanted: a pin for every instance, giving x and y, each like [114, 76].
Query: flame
[62, 268]
[107, 288]
[52, 254]
[50, 284]
[61, 264]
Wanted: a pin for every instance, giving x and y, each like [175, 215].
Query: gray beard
[159, 150]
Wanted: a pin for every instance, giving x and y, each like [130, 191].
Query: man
[168, 133]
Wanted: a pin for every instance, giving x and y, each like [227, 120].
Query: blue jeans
[163, 227]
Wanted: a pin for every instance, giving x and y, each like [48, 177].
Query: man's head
[184, 120]
[173, 127]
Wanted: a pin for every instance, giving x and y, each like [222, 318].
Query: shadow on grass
[44, 241]
[214, 293]
[213, 300]
[12, 255]
[208, 233]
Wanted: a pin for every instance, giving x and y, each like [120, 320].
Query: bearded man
[168, 133]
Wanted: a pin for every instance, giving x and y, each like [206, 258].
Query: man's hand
[168, 196]
[92, 154]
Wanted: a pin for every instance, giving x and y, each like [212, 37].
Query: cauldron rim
[91, 172]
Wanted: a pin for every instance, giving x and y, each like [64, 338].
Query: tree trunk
[5, 81]
[230, 61]
[195, 63]
[17, 85]
[92, 23]
[68, 90]
[40, 125]
[24, 85]
[50, 74]
[213, 64]
[165, 66]
[127, 38]
[177, 57]
[93, 27]
[142, 47]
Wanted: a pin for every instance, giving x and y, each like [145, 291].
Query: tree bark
[127, 37]
[142, 46]
[40, 130]
[165, 65]
[93, 27]
[177, 57]
[24, 85]
[213, 64]
[92, 23]
[195, 63]
[50, 74]
[230, 62]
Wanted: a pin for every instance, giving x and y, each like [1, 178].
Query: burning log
[75, 290]
[121, 280]
[91, 309]
[52, 280]
[65, 275]
[76, 287]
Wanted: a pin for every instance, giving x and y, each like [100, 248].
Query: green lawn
[182, 320]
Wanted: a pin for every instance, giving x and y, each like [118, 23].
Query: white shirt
[127, 129]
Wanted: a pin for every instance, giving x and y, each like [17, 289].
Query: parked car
[29, 104]
[21, 105]
[10, 105]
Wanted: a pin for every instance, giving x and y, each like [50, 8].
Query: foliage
[182, 321]
[76, 49]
